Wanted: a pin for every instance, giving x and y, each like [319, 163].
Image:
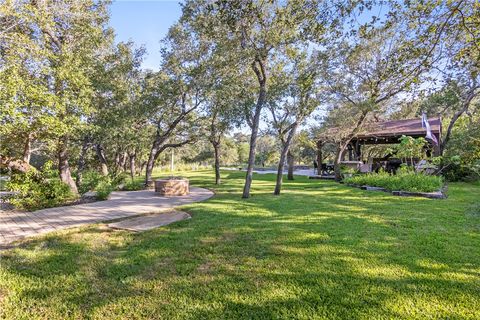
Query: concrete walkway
[17, 225]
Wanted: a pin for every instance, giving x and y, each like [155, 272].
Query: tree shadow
[328, 252]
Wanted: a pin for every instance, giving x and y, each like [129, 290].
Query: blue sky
[144, 22]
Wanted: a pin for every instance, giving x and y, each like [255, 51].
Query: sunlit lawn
[320, 250]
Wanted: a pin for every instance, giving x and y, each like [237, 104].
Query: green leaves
[46, 79]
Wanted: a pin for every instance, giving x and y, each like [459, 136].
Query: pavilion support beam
[342, 156]
[358, 151]
[437, 149]
[350, 152]
[319, 157]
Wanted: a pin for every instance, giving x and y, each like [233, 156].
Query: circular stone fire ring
[172, 187]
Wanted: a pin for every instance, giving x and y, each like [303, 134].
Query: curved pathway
[122, 204]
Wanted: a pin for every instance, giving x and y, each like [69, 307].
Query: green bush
[103, 190]
[133, 185]
[36, 190]
[119, 179]
[404, 180]
[90, 180]
[458, 170]
[94, 181]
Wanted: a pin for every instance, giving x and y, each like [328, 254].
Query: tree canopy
[240, 83]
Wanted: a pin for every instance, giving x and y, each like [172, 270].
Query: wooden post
[437, 149]
[319, 157]
[358, 151]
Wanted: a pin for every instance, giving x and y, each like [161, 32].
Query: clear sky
[144, 22]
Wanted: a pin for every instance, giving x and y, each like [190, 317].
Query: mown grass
[321, 250]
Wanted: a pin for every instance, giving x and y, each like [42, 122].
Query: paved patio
[17, 225]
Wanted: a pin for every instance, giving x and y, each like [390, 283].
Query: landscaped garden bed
[440, 194]
[405, 183]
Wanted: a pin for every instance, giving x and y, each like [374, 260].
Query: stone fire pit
[172, 186]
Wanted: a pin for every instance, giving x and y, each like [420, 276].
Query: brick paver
[16, 225]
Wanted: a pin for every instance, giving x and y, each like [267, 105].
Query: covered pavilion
[384, 132]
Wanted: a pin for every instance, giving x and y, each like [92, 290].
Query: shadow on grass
[319, 249]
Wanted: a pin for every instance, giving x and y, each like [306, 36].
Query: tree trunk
[319, 158]
[63, 166]
[251, 153]
[456, 116]
[451, 124]
[27, 149]
[254, 125]
[124, 161]
[149, 167]
[101, 157]
[216, 147]
[285, 154]
[14, 165]
[118, 162]
[81, 162]
[281, 164]
[132, 164]
[142, 166]
[151, 162]
[338, 160]
[342, 147]
[291, 164]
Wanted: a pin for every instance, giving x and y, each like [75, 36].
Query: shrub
[458, 170]
[35, 190]
[404, 180]
[119, 179]
[347, 171]
[133, 185]
[90, 179]
[103, 189]
[94, 181]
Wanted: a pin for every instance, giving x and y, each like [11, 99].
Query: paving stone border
[15, 225]
[151, 221]
[440, 194]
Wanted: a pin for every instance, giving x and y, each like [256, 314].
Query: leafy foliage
[70, 94]
[404, 180]
[133, 185]
[90, 180]
[102, 185]
[410, 148]
[464, 146]
[103, 189]
[37, 189]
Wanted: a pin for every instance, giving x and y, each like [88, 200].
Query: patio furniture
[424, 167]
[392, 165]
[327, 169]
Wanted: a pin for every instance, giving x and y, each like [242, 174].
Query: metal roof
[396, 128]
[392, 129]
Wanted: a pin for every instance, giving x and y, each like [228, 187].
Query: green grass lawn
[321, 250]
